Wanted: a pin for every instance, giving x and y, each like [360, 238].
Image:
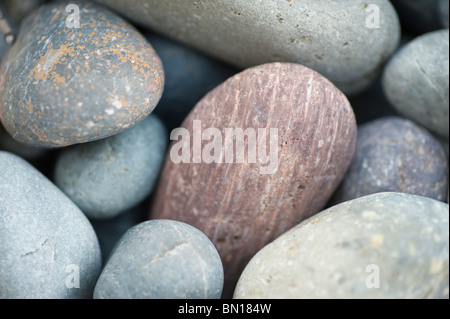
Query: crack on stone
[36, 250]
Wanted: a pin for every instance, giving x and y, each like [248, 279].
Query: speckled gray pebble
[386, 245]
[395, 155]
[109, 176]
[162, 259]
[341, 39]
[416, 81]
[48, 248]
[62, 85]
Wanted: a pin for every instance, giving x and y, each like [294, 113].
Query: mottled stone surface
[331, 38]
[395, 155]
[386, 245]
[418, 16]
[416, 81]
[109, 176]
[47, 246]
[189, 75]
[162, 259]
[61, 86]
[243, 202]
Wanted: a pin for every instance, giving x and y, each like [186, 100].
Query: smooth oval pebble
[346, 41]
[395, 155]
[107, 177]
[48, 248]
[416, 81]
[302, 122]
[386, 245]
[162, 259]
[62, 85]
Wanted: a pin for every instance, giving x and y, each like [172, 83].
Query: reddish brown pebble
[242, 207]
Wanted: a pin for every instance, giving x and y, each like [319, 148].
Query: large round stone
[62, 83]
[48, 248]
[347, 41]
[162, 259]
[386, 245]
[259, 153]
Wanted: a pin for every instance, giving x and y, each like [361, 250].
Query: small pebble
[48, 248]
[381, 246]
[395, 155]
[162, 259]
[416, 81]
[64, 85]
[107, 177]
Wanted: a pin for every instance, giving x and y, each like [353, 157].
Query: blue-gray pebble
[416, 81]
[48, 248]
[189, 75]
[395, 155]
[162, 259]
[107, 177]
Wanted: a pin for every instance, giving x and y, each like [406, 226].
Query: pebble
[342, 41]
[107, 177]
[49, 249]
[63, 85]
[418, 16]
[162, 259]
[385, 245]
[395, 155]
[416, 81]
[189, 75]
[310, 134]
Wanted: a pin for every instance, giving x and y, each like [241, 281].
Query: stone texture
[418, 16]
[395, 155]
[61, 86]
[332, 39]
[396, 242]
[45, 240]
[162, 259]
[107, 177]
[189, 75]
[244, 203]
[416, 81]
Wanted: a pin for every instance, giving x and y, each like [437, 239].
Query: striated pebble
[386, 245]
[269, 147]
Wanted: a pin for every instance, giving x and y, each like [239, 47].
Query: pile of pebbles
[116, 179]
